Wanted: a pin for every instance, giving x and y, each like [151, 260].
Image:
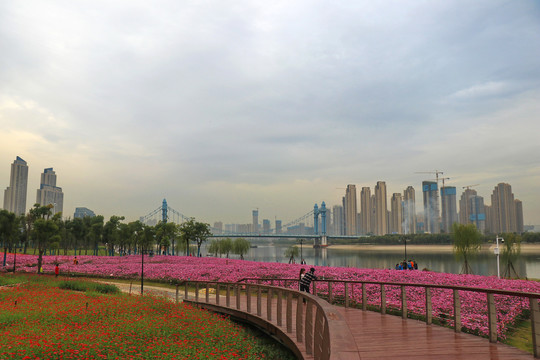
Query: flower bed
[177, 268]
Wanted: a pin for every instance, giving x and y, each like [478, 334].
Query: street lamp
[301, 241]
[496, 251]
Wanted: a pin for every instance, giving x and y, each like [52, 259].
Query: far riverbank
[446, 249]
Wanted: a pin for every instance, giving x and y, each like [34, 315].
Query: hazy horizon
[225, 107]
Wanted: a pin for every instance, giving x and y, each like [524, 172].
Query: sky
[223, 107]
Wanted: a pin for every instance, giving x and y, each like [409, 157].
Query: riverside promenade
[354, 333]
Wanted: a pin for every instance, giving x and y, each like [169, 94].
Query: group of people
[305, 279]
[407, 265]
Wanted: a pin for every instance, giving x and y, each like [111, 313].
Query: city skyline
[224, 109]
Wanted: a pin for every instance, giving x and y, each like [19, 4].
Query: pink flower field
[178, 268]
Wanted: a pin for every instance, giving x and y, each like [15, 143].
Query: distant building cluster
[440, 209]
[15, 195]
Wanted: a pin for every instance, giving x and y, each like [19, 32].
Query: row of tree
[42, 231]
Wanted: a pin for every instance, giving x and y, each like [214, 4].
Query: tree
[510, 253]
[111, 233]
[291, 252]
[225, 246]
[46, 229]
[166, 234]
[8, 229]
[467, 242]
[192, 230]
[214, 247]
[240, 247]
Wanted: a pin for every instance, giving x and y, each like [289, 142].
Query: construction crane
[469, 186]
[436, 172]
[444, 178]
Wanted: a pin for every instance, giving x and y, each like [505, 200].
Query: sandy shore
[525, 248]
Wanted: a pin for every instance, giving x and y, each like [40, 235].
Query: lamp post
[405, 242]
[301, 241]
[496, 251]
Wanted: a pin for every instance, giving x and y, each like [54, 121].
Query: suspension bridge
[312, 225]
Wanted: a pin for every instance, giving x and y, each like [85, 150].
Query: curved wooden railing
[315, 322]
[347, 287]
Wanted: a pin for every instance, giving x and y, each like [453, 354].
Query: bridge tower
[324, 241]
[164, 211]
[316, 219]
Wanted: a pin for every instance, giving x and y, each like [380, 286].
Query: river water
[485, 263]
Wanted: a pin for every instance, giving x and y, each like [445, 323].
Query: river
[431, 257]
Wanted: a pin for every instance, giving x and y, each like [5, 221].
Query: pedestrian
[56, 270]
[302, 273]
[303, 262]
[75, 261]
[306, 281]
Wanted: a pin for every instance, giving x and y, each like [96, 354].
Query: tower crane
[469, 186]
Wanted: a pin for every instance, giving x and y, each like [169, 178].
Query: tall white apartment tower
[409, 211]
[15, 193]
[48, 193]
[350, 210]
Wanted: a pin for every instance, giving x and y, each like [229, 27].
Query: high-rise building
[396, 214]
[464, 205]
[431, 207]
[503, 209]
[350, 208]
[365, 211]
[266, 226]
[278, 227]
[255, 224]
[15, 193]
[409, 211]
[519, 216]
[449, 208]
[218, 227]
[373, 214]
[477, 213]
[338, 222]
[82, 212]
[381, 209]
[48, 193]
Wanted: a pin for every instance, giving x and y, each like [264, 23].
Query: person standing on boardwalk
[302, 273]
[306, 280]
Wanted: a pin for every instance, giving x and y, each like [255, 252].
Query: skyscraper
[381, 209]
[48, 193]
[519, 216]
[15, 193]
[449, 208]
[477, 212]
[365, 211]
[409, 211]
[255, 224]
[338, 221]
[464, 205]
[266, 226]
[396, 214]
[278, 227]
[431, 207]
[82, 212]
[350, 209]
[503, 209]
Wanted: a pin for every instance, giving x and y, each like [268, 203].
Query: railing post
[330, 297]
[197, 291]
[259, 300]
[346, 284]
[429, 309]
[403, 302]
[228, 295]
[383, 299]
[457, 311]
[269, 300]
[299, 319]
[492, 318]
[535, 321]
[177, 293]
[238, 296]
[289, 311]
[315, 288]
[319, 334]
[207, 292]
[309, 328]
[279, 312]
[248, 298]
[217, 293]
[186, 294]
[364, 297]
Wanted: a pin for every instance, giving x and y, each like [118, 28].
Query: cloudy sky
[222, 107]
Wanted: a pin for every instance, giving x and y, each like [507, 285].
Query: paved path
[378, 336]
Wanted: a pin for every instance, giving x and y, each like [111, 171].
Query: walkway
[374, 336]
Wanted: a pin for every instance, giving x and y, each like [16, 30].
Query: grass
[46, 317]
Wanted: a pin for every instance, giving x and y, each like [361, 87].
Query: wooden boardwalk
[377, 336]
[361, 334]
